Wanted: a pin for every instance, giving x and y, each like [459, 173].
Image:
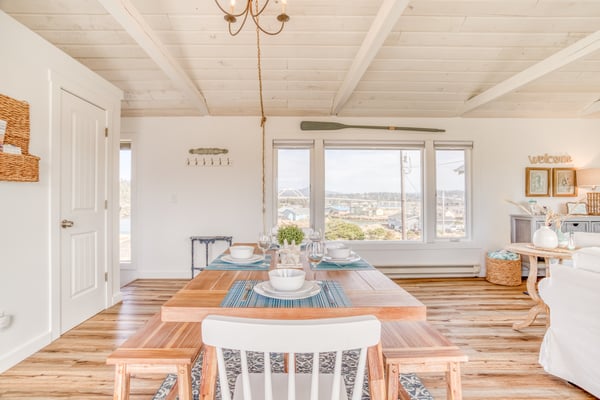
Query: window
[451, 191]
[374, 191]
[293, 186]
[373, 194]
[125, 203]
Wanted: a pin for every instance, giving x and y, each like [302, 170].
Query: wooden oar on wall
[334, 126]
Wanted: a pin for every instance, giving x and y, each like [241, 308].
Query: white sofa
[571, 345]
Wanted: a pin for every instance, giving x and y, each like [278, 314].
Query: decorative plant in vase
[291, 234]
[290, 237]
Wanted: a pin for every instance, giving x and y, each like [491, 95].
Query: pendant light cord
[263, 121]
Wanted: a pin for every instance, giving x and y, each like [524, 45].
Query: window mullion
[318, 186]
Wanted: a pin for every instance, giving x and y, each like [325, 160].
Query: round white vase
[545, 237]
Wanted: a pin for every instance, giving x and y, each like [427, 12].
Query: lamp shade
[589, 177]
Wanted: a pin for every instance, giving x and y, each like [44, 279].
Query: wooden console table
[206, 240]
[528, 249]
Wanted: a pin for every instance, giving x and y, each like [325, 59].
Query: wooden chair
[291, 337]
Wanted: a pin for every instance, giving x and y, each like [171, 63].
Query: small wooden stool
[159, 347]
[415, 346]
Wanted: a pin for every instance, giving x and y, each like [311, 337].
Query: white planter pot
[545, 237]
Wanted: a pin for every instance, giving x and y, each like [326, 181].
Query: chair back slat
[314, 383]
[360, 375]
[247, 388]
[268, 377]
[225, 391]
[291, 337]
[291, 395]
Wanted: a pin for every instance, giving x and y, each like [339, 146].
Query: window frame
[428, 183]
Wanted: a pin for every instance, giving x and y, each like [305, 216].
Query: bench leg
[184, 380]
[122, 379]
[454, 390]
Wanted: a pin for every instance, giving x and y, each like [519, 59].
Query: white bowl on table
[241, 252]
[286, 279]
[338, 252]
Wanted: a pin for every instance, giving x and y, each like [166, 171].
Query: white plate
[255, 258]
[308, 289]
[342, 261]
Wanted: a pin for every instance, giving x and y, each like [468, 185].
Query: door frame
[107, 98]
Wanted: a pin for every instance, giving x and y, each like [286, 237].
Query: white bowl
[286, 279]
[241, 251]
[338, 252]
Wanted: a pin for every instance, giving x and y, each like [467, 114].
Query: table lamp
[590, 178]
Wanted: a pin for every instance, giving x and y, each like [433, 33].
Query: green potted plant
[291, 233]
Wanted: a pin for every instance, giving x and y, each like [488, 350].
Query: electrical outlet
[4, 320]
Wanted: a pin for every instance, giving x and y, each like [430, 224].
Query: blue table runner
[219, 265]
[320, 300]
[354, 266]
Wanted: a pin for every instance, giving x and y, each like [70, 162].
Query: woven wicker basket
[503, 272]
[17, 167]
[16, 114]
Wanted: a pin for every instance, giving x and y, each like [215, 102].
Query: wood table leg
[539, 305]
[376, 373]
[209, 374]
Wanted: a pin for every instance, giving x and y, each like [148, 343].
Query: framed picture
[537, 182]
[563, 182]
[577, 208]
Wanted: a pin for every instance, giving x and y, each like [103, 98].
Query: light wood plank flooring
[474, 314]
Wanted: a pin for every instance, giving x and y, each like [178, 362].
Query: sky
[352, 171]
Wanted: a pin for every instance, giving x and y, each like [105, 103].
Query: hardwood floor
[474, 314]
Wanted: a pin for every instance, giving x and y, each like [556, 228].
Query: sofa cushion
[586, 239]
[587, 258]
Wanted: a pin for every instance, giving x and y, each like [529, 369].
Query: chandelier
[231, 16]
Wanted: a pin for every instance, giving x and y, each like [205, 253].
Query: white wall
[25, 246]
[175, 201]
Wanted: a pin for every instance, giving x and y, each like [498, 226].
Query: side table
[528, 249]
[206, 240]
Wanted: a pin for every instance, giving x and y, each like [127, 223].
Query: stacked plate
[254, 259]
[353, 257]
[308, 289]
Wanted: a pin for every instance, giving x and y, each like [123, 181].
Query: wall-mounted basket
[17, 167]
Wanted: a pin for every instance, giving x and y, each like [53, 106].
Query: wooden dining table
[368, 291]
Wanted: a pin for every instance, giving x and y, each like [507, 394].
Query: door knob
[65, 223]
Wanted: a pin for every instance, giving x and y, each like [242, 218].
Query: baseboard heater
[431, 271]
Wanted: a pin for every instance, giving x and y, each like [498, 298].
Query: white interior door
[83, 219]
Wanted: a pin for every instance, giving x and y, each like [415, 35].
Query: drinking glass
[264, 242]
[315, 250]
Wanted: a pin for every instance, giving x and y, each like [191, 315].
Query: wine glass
[264, 242]
[315, 250]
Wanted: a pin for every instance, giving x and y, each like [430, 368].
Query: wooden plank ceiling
[372, 58]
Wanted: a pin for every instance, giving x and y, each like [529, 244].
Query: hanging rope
[263, 121]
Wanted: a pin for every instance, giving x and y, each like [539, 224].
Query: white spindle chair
[291, 337]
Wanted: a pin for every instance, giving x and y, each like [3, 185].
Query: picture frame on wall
[577, 208]
[564, 183]
[537, 182]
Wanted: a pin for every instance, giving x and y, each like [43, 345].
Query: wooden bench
[415, 346]
[159, 347]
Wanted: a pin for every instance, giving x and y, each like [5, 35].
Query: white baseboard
[22, 352]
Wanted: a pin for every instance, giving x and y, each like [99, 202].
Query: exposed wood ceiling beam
[384, 22]
[592, 108]
[577, 50]
[133, 22]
